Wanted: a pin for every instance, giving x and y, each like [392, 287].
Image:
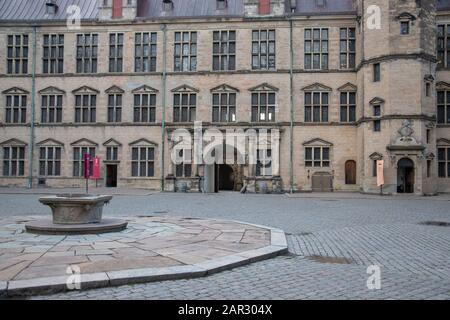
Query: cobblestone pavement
[332, 241]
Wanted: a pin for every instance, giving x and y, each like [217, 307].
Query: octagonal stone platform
[150, 249]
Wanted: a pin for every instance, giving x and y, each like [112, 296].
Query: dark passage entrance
[405, 176]
[225, 178]
[111, 176]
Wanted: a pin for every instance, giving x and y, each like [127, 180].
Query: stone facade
[407, 64]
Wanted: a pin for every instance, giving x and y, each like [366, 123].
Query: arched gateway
[405, 176]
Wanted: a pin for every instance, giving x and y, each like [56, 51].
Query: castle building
[345, 83]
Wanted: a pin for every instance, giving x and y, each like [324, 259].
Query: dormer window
[167, 5]
[221, 4]
[320, 3]
[51, 7]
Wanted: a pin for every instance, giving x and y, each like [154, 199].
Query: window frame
[322, 161]
[266, 107]
[47, 170]
[443, 162]
[267, 42]
[178, 109]
[309, 55]
[145, 62]
[218, 106]
[148, 161]
[150, 108]
[47, 109]
[12, 109]
[17, 54]
[18, 161]
[443, 107]
[324, 108]
[116, 47]
[53, 63]
[224, 58]
[191, 55]
[92, 108]
[78, 163]
[87, 63]
[348, 53]
[348, 106]
[114, 114]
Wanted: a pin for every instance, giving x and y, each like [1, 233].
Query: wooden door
[350, 172]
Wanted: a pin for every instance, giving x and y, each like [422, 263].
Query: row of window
[263, 51]
[263, 105]
[143, 161]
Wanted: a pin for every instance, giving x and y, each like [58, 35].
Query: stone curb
[51, 285]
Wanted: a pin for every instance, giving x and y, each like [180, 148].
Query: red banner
[96, 175]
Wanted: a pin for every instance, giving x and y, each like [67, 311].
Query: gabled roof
[112, 142]
[185, 88]
[85, 89]
[114, 89]
[264, 87]
[51, 90]
[144, 89]
[15, 90]
[348, 87]
[317, 87]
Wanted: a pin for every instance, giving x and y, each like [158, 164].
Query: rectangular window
[145, 52]
[224, 107]
[443, 46]
[142, 162]
[347, 48]
[376, 72]
[348, 107]
[429, 163]
[263, 107]
[184, 169]
[116, 52]
[404, 27]
[16, 109]
[112, 153]
[224, 50]
[17, 53]
[316, 49]
[13, 161]
[427, 89]
[443, 107]
[377, 111]
[115, 108]
[87, 51]
[316, 106]
[444, 162]
[317, 157]
[85, 108]
[184, 107]
[144, 108]
[185, 54]
[50, 161]
[53, 55]
[377, 126]
[264, 163]
[51, 108]
[78, 160]
[263, 50]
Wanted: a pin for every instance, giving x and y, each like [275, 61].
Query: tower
[397, 95]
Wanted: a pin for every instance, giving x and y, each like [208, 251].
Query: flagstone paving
[148, 242]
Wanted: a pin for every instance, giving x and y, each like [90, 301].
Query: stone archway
[405, 176]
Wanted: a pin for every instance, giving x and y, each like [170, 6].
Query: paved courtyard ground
[332, 239]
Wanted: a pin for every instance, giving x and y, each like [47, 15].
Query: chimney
[259, 8]
[117, 9]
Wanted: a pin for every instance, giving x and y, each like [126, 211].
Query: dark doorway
[111, 176]
[405, 176]
[225, 178]
[350, 172]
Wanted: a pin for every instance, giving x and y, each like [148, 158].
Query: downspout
[291, 89]
[163, 121]
[33, 112]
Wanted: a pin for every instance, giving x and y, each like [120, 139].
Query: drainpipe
[33, 112]
[163, 122]
[291, 128]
